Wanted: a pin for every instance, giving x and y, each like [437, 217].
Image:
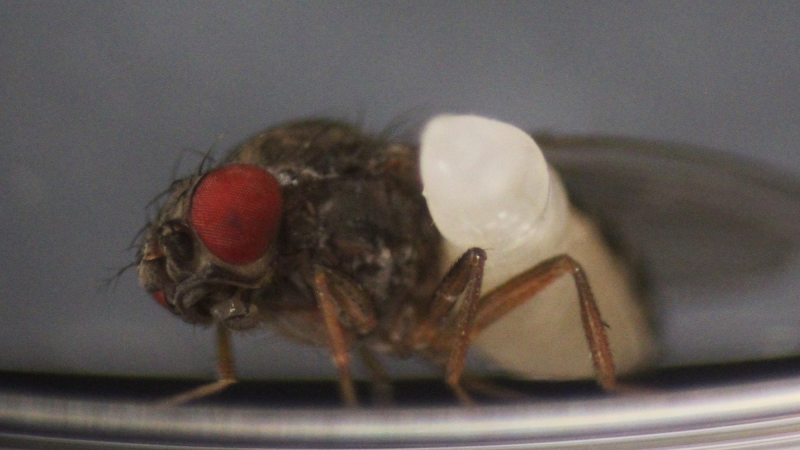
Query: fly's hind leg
[226, 372]
[522, 287]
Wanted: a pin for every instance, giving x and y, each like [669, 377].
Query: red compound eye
[159, 296]
[236, 211]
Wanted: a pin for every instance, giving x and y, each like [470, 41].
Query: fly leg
[462, 281]
[381, 384]
[345, 310]
[226, 372]
[522, 287]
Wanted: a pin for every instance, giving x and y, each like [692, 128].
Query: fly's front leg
[340, 300]
[226, 372]
[462, 281]
[519, 289]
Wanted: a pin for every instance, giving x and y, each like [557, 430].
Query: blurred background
[99, 101]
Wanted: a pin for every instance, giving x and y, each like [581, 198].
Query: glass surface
[715, 238]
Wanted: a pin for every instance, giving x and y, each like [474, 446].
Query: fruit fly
[320, 231]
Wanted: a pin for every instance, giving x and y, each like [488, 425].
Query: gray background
[99, 100]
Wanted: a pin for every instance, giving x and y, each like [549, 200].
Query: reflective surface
[750, 415]
[716, 239]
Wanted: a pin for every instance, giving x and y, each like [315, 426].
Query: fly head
[209, 252]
